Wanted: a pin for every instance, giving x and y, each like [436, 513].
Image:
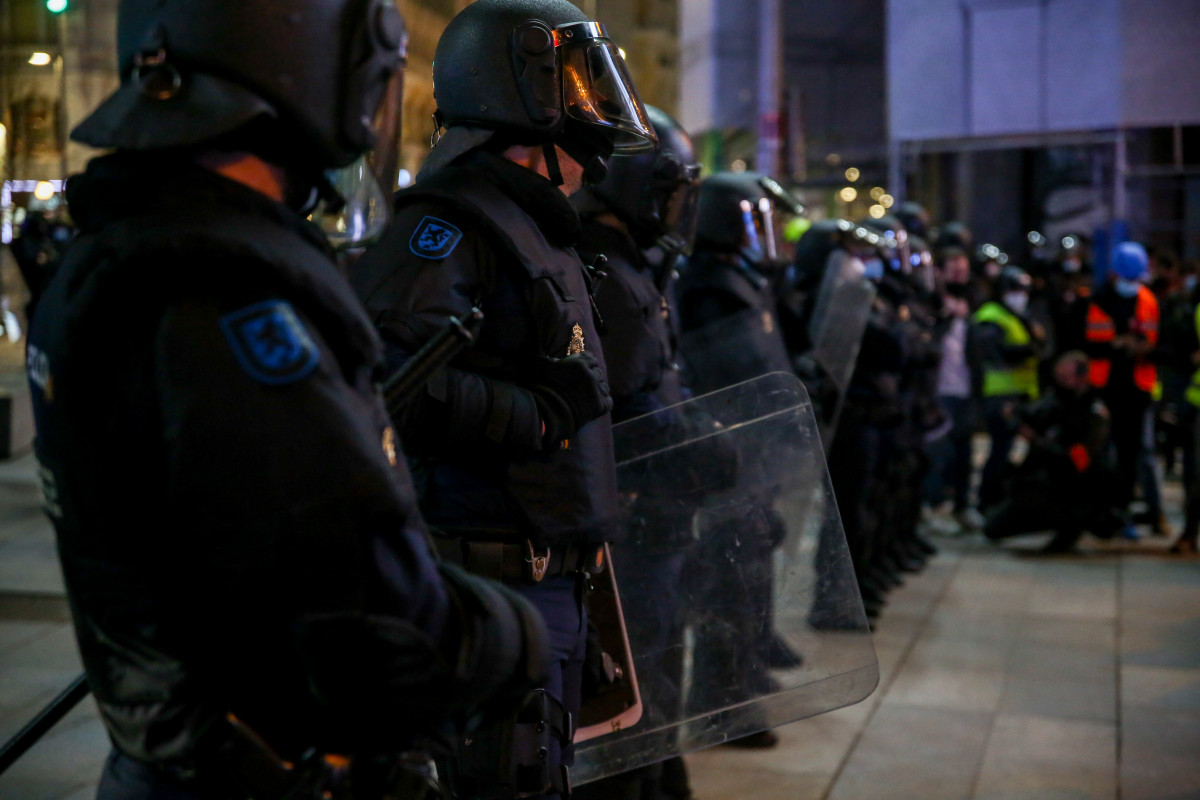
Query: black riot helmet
[193, 71]
[655, 193]
[740, 212]
[538, 72]
[1013, 279]
[913, 217]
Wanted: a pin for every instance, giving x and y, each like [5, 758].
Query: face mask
[1127, 288]
[958, 290]
[1070, 265]
[873, 269]
[1189, 283]
[1017, 301]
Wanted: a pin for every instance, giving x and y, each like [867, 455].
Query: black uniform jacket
[727, 315]
[215, 458]
[488, 233]
[639, 336]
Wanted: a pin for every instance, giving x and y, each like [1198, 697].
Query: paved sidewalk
[1005, 676]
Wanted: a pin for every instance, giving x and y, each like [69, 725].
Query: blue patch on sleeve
[270, 342]
[434, 239]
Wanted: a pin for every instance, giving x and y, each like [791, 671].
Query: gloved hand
[1080, 457]
[570, 392]
[502, 644]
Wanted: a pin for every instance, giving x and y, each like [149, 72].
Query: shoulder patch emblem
[270, 342]
[434, 238]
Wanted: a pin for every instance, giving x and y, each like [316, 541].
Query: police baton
[28, 736]
[405, 383]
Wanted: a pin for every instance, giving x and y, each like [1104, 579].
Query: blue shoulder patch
[434, 239]
[270, 342]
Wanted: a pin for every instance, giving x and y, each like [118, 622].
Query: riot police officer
[238, 531]
[641, 218]
[513, 444]
[730, 334]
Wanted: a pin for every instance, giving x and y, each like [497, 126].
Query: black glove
[570, 392]
[503, 649]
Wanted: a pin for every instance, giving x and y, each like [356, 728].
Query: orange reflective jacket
[1101, 328]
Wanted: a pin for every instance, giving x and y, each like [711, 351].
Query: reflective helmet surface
[537, 69]
[913, 217]
[195, 70]
[655, 193]
[740, 212]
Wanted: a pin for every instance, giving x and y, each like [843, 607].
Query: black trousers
[1127, 410]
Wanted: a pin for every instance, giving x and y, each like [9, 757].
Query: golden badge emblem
[768, 322]
[576, 346]
[389, 444]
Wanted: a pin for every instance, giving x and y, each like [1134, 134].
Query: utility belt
[518, 562]
[233, 761]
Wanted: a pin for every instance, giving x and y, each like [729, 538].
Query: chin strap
[553, 169]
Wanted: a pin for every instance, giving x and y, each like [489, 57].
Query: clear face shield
[367, 184]
[784, 208]
[597, 89]
[680, 185]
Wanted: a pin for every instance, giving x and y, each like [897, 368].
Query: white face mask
[1016, 301]
[1070, 265]
[1127, 288]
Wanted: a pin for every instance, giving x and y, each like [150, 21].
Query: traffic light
[57, 6]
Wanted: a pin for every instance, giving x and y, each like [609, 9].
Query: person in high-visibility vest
[1122, 331]
[1008, 345]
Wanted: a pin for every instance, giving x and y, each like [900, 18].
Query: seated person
[1062, 483]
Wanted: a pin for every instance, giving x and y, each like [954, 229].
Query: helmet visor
[597, 89]
[680, 186]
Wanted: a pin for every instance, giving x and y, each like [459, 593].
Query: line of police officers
[260, 586]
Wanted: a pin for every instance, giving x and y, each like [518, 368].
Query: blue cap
[1130, 261]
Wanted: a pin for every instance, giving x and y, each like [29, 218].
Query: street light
[40, 59]
[56, 6]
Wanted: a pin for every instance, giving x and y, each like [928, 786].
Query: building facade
[1064, 116]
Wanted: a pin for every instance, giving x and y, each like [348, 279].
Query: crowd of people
[413, 577]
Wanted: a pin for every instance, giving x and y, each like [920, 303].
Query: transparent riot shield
[836, 330]
[740, 603]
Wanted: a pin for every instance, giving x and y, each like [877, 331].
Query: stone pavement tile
[33, 674]
[1084, 599]
[1034, 758]
[1167, 603]
[964, 675]
[30, 564]
[1043, 659]
[1161, 687]
[1071, 632]
[956, 624]
[20, 470]
[744, 782]
[1160, 571]
[890, 653]
[1061, 697]
[1154, 643]
[988, 592]
[16, 634]
[915, 754]
[1158, 754]
[66, 761]
[815, 746]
